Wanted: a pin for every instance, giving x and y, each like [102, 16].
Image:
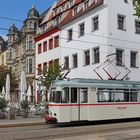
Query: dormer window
[75, 10]
[57, 20]
[63, 7]
[86, 4]
[55, 11]
[71, 3]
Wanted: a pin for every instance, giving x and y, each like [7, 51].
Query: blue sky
[18, 9]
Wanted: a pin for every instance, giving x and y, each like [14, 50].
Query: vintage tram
[93, 100]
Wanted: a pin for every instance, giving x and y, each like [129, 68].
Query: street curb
[21, 124]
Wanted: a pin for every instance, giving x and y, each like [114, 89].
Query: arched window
[35, 25]
[31, 25]
[10, 54]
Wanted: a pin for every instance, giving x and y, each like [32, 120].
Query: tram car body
[93, 100]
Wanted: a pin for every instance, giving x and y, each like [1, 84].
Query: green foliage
[137, 8]
[3, 103]
[3, 72]
[51, 74]
[13, 81]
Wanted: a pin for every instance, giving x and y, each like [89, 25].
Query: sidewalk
[19, 121]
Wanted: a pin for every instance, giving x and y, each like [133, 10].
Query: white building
[87, 32]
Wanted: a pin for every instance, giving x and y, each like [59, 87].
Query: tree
[51, 73]
[3, 72]
[13, 81]
[137, 8]
[3, 103]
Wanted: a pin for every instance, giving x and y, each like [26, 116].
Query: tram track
[53, 133]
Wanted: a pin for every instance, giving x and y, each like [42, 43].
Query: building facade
[3, 51]
[21, 48]
[96, 39]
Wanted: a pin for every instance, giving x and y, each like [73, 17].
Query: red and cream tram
[92, 100]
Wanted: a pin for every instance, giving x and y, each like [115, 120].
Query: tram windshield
[60, 96]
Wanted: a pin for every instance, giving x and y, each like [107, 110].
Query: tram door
[79, 99]
[83, 100]
[74, 108]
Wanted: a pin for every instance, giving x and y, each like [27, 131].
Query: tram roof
[81, 82]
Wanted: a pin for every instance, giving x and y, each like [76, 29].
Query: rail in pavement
[20, 122]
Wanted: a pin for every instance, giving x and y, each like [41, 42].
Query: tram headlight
[50, 113]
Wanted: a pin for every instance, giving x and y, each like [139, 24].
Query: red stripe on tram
[131, 103]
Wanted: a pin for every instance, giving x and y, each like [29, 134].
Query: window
[121, 22]
[45, 46]
[86, 4]
[44, 65]
[10, 54]
[56, 62]
[65, 95]
[96, 55]
[63, 7]
[70, 34]
[71, 3]
[66, 62]
[83, 95]
[133, 58]
[30, 66]
[75, 10]
[30, 43]
[137, 26]
[87, 57]
[119, 57]
[56, 41]
[75, 61]
[39, 48]
[73, 95]
[105, 95]
[31, 25]
[50, 63]
[126, 1]
[134, 2]
[57, 20]
[39, 69]
[133, 95]
[95, 23]
[81, 29]
[50, 44]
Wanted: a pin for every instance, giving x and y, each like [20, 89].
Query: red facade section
[52, 31]
[39, 48]
[45, 46]
[39, 69]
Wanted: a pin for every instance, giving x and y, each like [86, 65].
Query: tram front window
[65, 95]
[55, 96]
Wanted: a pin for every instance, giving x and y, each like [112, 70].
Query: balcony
[30, 52]
[10, 61]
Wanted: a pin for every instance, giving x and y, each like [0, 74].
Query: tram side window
[105, 95]
[119, 95]
[83, 95]
[133, 96]
[73, 95]
[65, 95]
